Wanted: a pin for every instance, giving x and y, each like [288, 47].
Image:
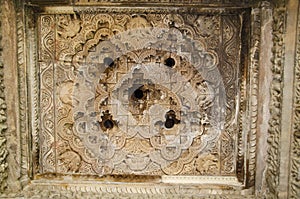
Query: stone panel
[132, 102]
[136, 93]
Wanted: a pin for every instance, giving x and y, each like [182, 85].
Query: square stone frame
[20, 180]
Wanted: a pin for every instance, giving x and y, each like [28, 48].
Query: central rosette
[146, 111]
[150, 118]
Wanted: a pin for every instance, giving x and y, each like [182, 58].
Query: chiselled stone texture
[137, 93]
[3, 116]
[22, 93]
[132, 192]
[186, 2]
[49, 2]
[272, 173]
[294, 184]
[160, 101]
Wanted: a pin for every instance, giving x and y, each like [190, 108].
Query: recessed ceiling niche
[142, 93]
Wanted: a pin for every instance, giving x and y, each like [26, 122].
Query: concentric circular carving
[163, 105]
[144, 101]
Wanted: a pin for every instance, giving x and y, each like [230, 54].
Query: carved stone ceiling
[141, 93]
[149, 99]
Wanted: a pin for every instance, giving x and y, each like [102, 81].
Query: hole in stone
[171, 119]
[139, 94]
[170, 62]
[169, 123]
[108, 61]
[108, 124]
[107, 121]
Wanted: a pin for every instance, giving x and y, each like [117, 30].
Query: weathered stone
[144, 100]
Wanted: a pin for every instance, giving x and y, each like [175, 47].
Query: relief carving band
[140, 93]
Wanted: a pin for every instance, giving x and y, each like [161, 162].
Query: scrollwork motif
[47, 54]
[58, 71]
[67, 40]
[80, 45]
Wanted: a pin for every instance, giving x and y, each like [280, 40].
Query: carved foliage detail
[127, 104]
[273, 161]
[47, 53]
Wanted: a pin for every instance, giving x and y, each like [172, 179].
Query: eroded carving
[59, 86]
[272, 175]
[46, 138]
[152, 99]
[192, 2]
[295, 143]
[3, 125]
[129, 191]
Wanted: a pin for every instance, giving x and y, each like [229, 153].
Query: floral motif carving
[46, 138]
[207, 164]
[68, 26]
[71, 41]
[272, 175]
[108, 41]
